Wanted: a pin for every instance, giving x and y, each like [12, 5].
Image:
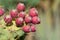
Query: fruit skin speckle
[29, 28]
[33, 12]
[22, 14]
[35, 20]
[19, 21]
[14, 13]
[1, 11]
[28, 19]
[20, 7]
[26, 28]
[33, 28]
[8, 19]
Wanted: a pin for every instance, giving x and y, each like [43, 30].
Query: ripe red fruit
[33, 12]
[20, 7]
[13, 13]
[35, 20]
[1, 11]
[19, 21]
[21, 14]
[33, 28]
[26, 28]
[8, 19]
[28, 19]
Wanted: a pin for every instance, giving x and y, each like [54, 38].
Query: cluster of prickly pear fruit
[27, 21]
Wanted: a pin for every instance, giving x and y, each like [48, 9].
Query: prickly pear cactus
[17, 20]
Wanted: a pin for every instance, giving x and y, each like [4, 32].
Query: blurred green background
[49, 13]
[49, 29]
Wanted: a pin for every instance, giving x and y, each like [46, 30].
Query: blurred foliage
[9, 4]
[31, 2]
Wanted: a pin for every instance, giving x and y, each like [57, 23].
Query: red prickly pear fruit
[20, 7]
[33, 12]
[28, 19]
[26, 28]
[21, 14]
[33, 28]
[8, 19]
[13, 13]
[35, 20]
[19, 21]
[1, 11]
